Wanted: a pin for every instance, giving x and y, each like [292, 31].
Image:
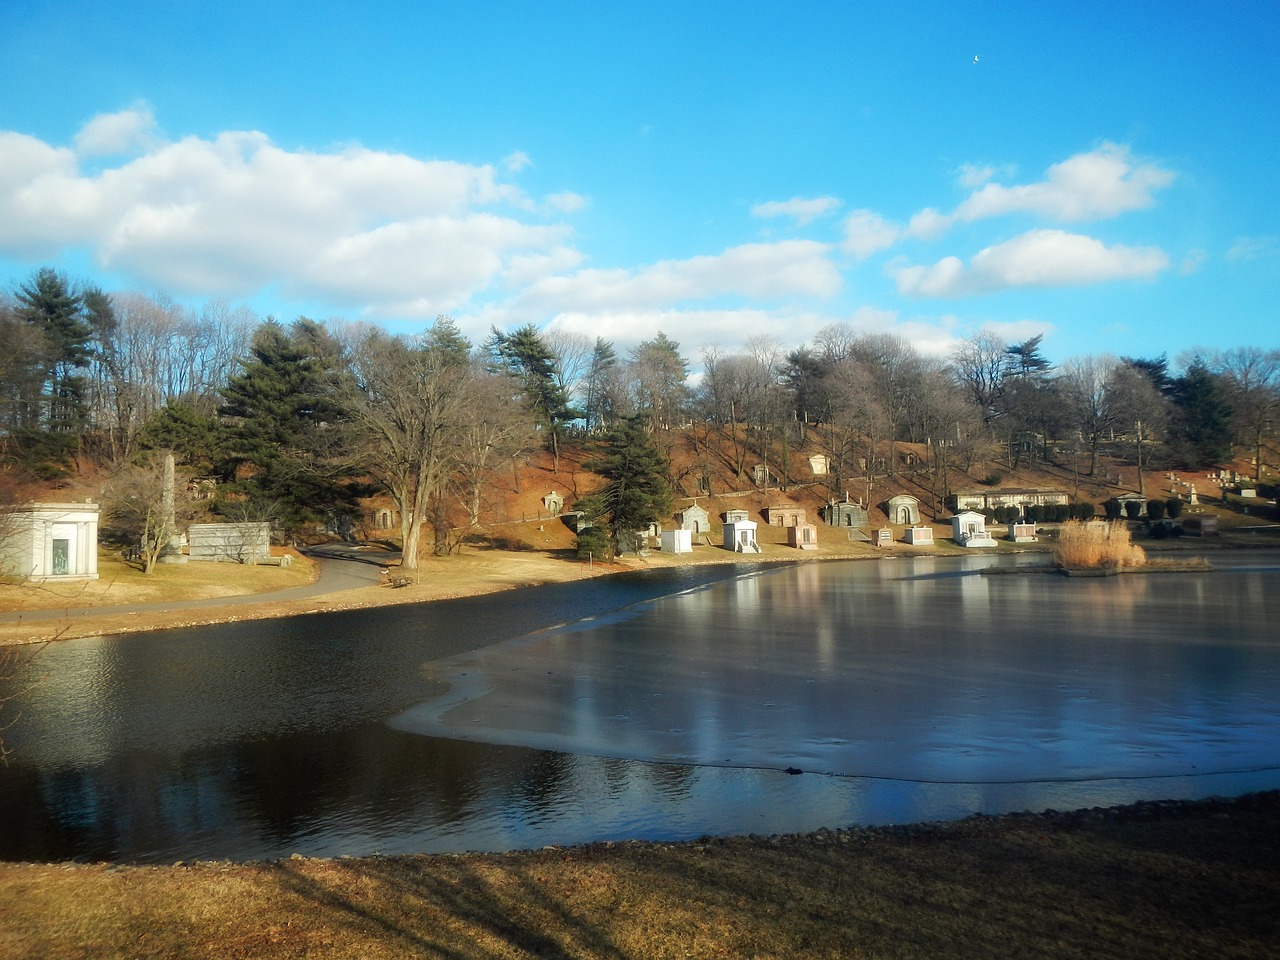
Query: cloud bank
[389, 236]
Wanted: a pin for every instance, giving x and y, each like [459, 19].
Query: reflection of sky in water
[934, 686]
[898, 670]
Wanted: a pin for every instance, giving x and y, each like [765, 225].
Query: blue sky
[1103, 174]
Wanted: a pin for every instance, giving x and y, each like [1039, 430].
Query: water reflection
[260, 740]
[897, 671]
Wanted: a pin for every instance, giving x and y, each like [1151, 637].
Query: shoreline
[1155, 879]
[475, 573]
[483, 572]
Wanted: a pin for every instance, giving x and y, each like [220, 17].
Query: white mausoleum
[51, 541]
[969, 529]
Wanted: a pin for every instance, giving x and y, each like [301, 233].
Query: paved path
[341, 568]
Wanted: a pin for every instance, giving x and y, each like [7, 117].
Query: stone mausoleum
[51, 541]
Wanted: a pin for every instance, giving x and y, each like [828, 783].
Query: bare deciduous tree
[145, 509]
[1253, 378]
[411, 400]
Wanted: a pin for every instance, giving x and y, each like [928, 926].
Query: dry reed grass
[1096, 545]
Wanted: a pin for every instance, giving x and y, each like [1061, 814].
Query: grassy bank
[1166, 880]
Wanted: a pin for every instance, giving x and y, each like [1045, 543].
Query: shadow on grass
[1151, 881]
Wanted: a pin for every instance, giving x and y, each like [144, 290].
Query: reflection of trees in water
[1077, 655]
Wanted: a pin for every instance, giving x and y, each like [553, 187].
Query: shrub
[1159, 531]
[1094, 545]
[1173, 507]
[1111, 508]
[1083, 511]
[593, 542]
[992, 479]
[1155, 509]
[1133, 509]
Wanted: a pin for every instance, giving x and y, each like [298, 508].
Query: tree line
[298, 422]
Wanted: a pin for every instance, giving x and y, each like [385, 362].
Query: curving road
[341, 568]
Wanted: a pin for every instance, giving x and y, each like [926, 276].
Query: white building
[248, 542]
[51, 541]
[677, 541]
[694, 518]
[969, 529]
[740, 536]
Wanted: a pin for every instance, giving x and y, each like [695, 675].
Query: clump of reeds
[1092, 545]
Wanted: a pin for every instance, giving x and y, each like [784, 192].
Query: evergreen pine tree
[524, 354]
[284, 442]
[637, 489]
[53, 423]
[1202, 427]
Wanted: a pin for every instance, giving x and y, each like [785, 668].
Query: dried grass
[1095, 545]
[1164, 881]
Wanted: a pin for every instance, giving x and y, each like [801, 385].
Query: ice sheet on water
[897, 671]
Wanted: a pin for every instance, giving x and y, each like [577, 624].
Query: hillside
[702, 460]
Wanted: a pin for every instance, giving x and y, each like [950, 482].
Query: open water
[661, 706]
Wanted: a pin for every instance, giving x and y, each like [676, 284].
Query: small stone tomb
[740, 536]
[803, 536]
[969, 529]
[736, 516]
[919, 536]
[784, 514]
[554, 502]
[248, 542]
[1139, 504]
[884, 537]
[694, 518]
[1206, 526]
[850, 513]
[51, 541]
[903, 509]
[1022, 532]
[677, 541]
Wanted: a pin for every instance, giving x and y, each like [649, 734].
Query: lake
[662, 705]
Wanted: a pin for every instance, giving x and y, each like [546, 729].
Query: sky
[1101, 174]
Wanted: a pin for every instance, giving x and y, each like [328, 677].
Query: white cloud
[799, 209]
[115, 134]
[566, 202]
[236, 214]
[765, 270]
[1253, 248]
[1192, 262]
[866, 232]
[1097, 185]
[516, 162]
[970, 176]
[928, 223]
[1040, 258]
[1089, 186]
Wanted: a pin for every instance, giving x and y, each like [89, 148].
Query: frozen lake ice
[919, 670]
[660, 706]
